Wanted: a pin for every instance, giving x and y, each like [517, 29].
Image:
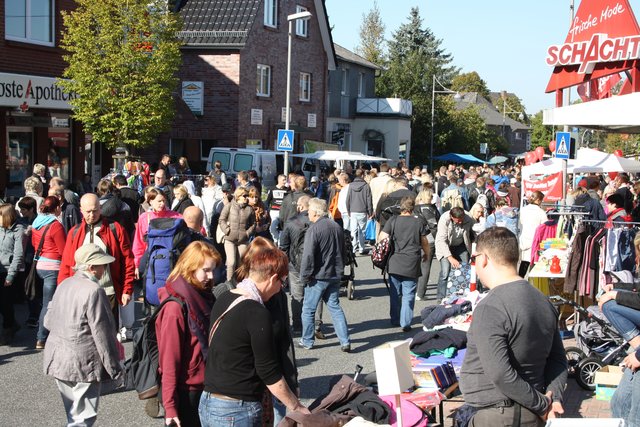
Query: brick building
[35, 123]
[233, 76]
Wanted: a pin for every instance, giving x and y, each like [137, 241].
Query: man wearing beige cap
[81, 350]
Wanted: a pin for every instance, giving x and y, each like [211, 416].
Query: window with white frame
[263, 87]
[30, 21]
[271, 13]
[344, 89]
[305, 87]
[360, 85]
[302, 25]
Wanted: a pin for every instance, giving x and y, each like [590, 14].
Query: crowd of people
[227, 330]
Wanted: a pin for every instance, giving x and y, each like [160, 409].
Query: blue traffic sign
[563, 145]
[285, 140]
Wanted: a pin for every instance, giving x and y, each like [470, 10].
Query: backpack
[333, 206]
[166, 239]
[451, 199]
[142, 368]
[297, 245]
[429, 217]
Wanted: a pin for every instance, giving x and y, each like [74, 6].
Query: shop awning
[615, 114]
[589, 160]
[459, 158]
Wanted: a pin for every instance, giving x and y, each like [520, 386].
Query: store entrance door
[19, 151]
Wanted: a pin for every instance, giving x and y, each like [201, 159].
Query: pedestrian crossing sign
[285, 140]
[563, 145]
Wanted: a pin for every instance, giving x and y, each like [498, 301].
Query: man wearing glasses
[515, 368]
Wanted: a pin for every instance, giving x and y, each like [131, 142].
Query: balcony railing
[384, 106]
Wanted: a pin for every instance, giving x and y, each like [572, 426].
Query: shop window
[30, 21]
[58, 155]
[19, 160]
[263, 87]
[205, 147]
[176, 148]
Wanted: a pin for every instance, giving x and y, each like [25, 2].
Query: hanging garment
[544, 231]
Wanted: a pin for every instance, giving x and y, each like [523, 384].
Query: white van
[269, 164]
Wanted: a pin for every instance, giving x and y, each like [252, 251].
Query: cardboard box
[607, 380]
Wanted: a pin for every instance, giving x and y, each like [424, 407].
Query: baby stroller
[350, 264]
[598, 344]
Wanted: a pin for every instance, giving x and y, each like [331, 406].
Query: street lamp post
[294, 17]
[433, 105]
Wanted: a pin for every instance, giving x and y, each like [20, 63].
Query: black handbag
[30, 283]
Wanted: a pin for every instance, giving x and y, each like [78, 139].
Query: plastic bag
[370, 230]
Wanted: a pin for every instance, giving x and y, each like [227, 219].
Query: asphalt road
[29, 398]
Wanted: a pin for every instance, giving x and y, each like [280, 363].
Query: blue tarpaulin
[459, 158]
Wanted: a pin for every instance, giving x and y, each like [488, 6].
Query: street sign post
[285, 140]
[563, 145]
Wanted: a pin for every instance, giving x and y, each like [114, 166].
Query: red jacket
[53, 241]
[118, 246]
[181, 368]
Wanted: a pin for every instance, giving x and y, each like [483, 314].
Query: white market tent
[335, 155]
[589, 160]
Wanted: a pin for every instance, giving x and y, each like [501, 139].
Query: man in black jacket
[290, 201]
[128, 195]
[292, 243]
[359, 209]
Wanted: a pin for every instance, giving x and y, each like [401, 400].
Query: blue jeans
[357, 225]
[626, 320]
[328, 292]
[626, 400]
[50, 278]
[460, 253]
[402, 288]
[216, 412]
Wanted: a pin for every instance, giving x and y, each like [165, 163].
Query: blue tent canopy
[459, 158]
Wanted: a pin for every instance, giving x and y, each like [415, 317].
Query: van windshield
[243, 162]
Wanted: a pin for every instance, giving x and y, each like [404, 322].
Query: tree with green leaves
[514, 106]
[123, 58]
[470, 82]
[414, 56]
[540, 134]
[372, 40]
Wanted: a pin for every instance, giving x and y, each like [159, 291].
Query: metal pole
[287, 117]
[433, 104]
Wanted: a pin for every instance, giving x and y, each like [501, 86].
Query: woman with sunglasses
[238, 223]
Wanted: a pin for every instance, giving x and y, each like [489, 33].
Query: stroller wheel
[351, 289]
[586, 372]
[574, 356]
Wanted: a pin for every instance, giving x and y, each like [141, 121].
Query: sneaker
[406, 328]
[299, 344]
[346, 348]
[420, 298]
[125, 334]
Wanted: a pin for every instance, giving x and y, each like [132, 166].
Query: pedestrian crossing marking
[562, 147]
[285, 143]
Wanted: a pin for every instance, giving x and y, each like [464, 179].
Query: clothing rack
[614, 223]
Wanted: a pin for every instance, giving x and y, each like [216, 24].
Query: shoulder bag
[30, 283]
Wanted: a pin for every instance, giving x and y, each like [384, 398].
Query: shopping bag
[370, 230]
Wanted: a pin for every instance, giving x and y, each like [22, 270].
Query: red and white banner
[549, 185]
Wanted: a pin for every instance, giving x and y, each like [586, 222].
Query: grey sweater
[12, 243]
[514, 350]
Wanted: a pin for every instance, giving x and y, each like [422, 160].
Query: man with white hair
[82, 356]
[321, 270]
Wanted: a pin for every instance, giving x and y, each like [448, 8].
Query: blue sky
[505, 41]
